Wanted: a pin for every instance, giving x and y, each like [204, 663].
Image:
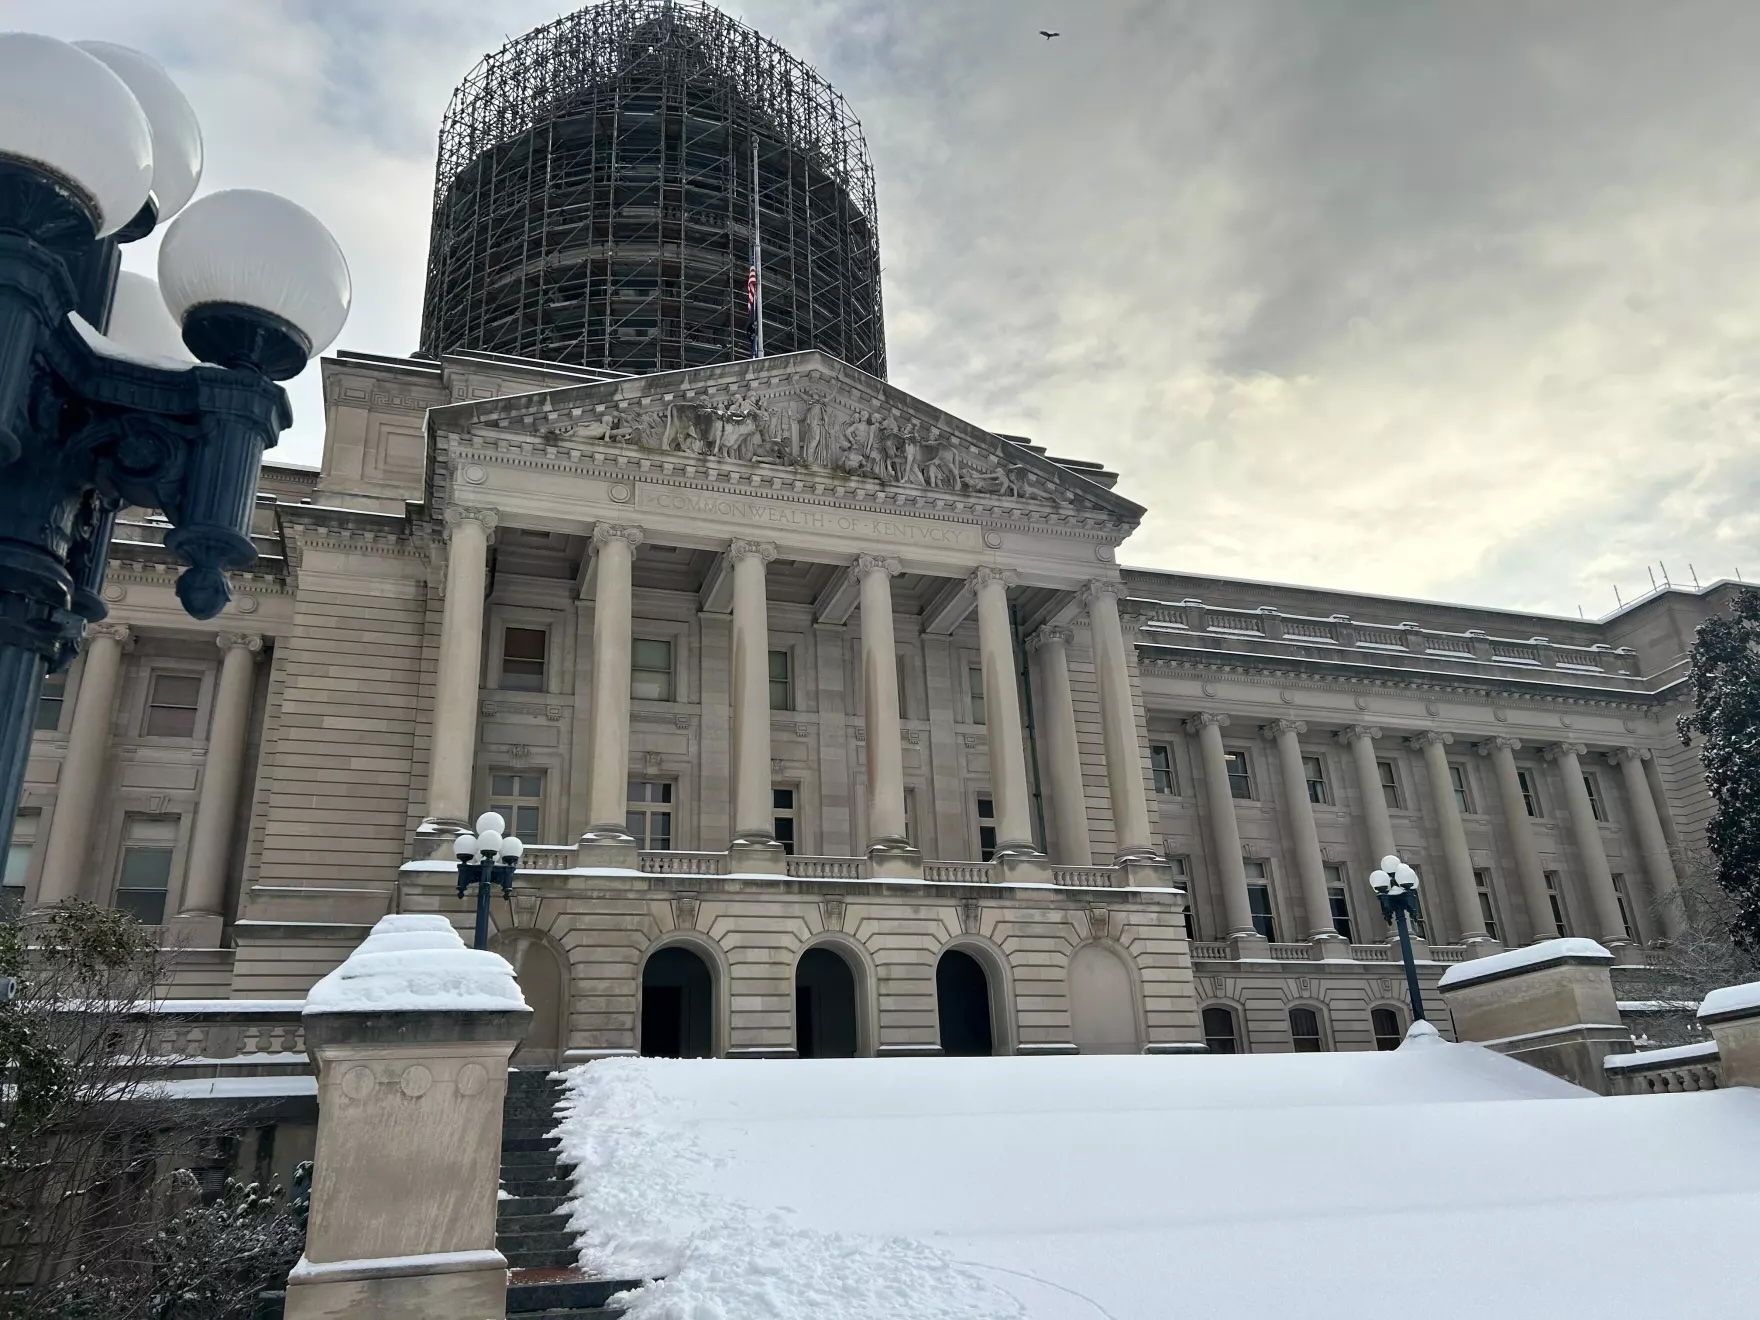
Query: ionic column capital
[1500, 743]
[1351, 732]
[242, 641]
[1205, 720]
[606, 532]
[761, 550]
[120, 633]
[457, 514]
[1431, 737]
[864, 564]
[1094, 587]
[1620, 755]
[984, 576]
[1277, 728]
[1559, 750]
[1051, 634]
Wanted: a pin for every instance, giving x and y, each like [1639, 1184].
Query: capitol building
[833, 724]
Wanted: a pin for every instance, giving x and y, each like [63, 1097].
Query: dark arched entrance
[824, 1006]
[962, 996]
[678, 1001]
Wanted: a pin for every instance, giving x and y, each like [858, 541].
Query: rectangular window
[1560, 926]
[986, 829]
[649, 814]
[781, 681]
[782, 801]
[1180, 870]
[1315, 773]
[1530, 795]
[910, 816]
[148, 843]
[522, 659]
[1592, 786]
[975, 687]
[1161, 762]
[1487, 904]
[171, 705]
[1240, 774]
[18, 864]
[1390, 786]
[1625, 905]
[517, 796]
[1457, 779]
[650, 669]
[50, 702]
[904, 698]
[1338, 897]
[1259, 900]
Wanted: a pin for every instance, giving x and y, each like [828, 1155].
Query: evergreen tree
[1726, 695]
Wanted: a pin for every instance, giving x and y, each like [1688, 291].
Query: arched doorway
[962, 999]
[542, 979]
[1102, 1002]
[824, 1006]
[678, 1005]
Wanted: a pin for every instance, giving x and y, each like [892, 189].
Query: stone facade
[770, 657]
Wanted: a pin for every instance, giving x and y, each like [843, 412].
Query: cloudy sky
[1443, 299]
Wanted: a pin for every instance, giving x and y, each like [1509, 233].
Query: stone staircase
[545, 1283]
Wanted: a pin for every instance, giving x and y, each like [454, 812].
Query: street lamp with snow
[1396, 885]
[486, 858]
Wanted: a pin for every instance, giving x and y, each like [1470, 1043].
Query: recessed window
[1161, 763]
[171, 705]
[1390, 793]
[1221, 1036]
[1240, 774]
[986, 829]
[1592, 786]
[904, 688]
[975, 690]
[1384, 1022]
[1530, 794]
[782, 801]
[781, 680]
[1304, 1031]
[1339, 899]
[1259, 900]
[18, 863]
[649, 814]
[148, 843]
[1487, 904]
[50, 702]
[518, 797]
[1457, 779]
[1625, 905]
[522, 659]
[650, 669]
[1181, 869]
[1555, 898]
[910, 816]
[1315, 773]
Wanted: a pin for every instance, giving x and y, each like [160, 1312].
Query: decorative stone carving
[227, 641]
[603, 532]
[864, 564]
[831, 913]
[1553, 751]
[1269, 732]
[1620, 755]
[1099, 923]
[984, 575]
[970, 913]
[120, 633]
[1204, 720]
[1502, 742]
[1051, 632]
[684, 912]
[762, 550]
[651, 763]
[1101, 587]
[461, 513]
[1352, 732]
[1419, 741]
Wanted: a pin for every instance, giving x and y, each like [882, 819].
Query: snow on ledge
[1731, 1000]
[414, 963]
[1698, 1051]
[1532, 955]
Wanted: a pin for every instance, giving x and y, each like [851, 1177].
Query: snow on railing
[1694, 1067]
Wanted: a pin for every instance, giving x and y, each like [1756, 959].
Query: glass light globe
[244, 248]
[63, 111]
[1390, 863]
[464, 847]
[489, 841]
[490, 820]
[141, 323]
[1407, 877]
[176, 136]
[512, 848]
[1379, 879]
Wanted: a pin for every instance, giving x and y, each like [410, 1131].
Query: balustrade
[1694, 1067]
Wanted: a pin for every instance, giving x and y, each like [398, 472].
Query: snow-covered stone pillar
[410, 1037]
[1732, 1016]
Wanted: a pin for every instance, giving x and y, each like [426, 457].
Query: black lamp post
[485, 859]
[1396, 885]
[115, 391]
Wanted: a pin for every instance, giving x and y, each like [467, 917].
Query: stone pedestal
[408, 1158]
[1732, 1016]
[1551, 1005]
[756, 857]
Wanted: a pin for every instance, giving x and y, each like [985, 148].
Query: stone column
[71, 828]
[1360, 738]
[1658, 865]
[1002, 714]
[1588, 836]
[608, 760]
[1304, 839]
[1069, 805]
[889, 851]
[204, 882]
[1225, 832]
[1457, 860]
[1118, 725]
[753, 809]
[458, 680]
[1500, 751]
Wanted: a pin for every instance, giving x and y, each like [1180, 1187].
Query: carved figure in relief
[691, 428]
[743, 430]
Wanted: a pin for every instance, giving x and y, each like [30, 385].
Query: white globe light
[1390, 863]
[489, 841]
[512, 848]
[254, 249]
[177, 137]
[464, 847]
[141, 323]
[1407, 877]
[63, 111]
[490, 820]
[1379, 880]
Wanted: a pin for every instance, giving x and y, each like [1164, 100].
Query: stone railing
[225, 1037]
[825, 868]
[1084, 877]
[1694, 1067]
[1210, 950]
[1341, 632]
[958, 873]
[548, 857]
[563, 857]
[684, 863]
[1448, 953]
[1292, 952]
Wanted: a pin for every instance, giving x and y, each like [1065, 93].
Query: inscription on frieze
[808, 518]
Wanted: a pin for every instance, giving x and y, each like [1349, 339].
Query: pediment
[803, 422]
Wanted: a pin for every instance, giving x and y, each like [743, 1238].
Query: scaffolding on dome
[593, 199]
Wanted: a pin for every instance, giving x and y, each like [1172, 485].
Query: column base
[1483, 947]
[1248, 944]
[1627, 955]
[454, 1285]
[890, 859]
[1146, 872]
[1333, 947]
[1022, 867]
[757, 856]
[608, 846]
[435, 834]
[193, 930]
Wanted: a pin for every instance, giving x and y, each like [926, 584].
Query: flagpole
[757, 258]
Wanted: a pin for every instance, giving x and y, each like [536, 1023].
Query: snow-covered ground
[1439, 1180]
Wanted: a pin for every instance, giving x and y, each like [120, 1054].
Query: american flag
[752, 314]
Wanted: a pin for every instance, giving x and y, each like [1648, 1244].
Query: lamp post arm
[1413, 989]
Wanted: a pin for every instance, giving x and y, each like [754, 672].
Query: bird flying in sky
[1049, 35]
